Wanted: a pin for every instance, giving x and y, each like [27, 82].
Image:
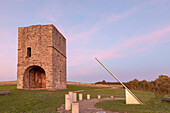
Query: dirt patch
[87, 106]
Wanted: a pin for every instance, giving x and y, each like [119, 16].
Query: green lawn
[40, 101]
[152, 104]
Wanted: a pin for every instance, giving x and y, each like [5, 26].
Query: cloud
[122, 48]
[107, 20]
[155, 37]
[84, 64]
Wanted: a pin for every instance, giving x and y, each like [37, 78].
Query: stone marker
[166, 99]
[99, 96]
[67, 102]
[75, 107]
[74, 97]
[112, 97]
[80, 96]
[4, 92]
[71, 96]
[88, 96]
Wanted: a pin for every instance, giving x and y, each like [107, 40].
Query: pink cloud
[122, 48]
[152, 38]
[99, 25]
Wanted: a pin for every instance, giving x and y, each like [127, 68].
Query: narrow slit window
[29, 52]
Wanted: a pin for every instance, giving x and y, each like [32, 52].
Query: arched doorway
[34, 77]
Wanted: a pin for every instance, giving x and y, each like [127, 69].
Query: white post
[88, 96]
[74, 97]
[75, 107]
[99, 96]
[111, 97]
[71, 96]
[80, 96]
[67, 102]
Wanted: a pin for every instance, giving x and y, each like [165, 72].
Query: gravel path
[87, 106]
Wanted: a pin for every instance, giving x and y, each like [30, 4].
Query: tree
[103, 82]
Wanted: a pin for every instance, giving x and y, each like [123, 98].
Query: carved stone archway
[34, 77]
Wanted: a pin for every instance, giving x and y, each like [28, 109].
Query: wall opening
[28, 52]
[34, 77]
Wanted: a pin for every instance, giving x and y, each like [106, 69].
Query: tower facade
[41, 58]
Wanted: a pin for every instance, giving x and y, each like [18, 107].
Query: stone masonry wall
[46, 50]
[59, 60]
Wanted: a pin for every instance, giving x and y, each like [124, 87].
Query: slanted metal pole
[111, 73]
[119, 81]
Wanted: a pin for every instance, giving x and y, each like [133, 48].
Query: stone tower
[41, 58]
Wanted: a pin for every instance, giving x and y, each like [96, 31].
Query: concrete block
[67, 102]
[111, 97]
[130, 99]
[75, 107]
[71, 96]
[74, 97]
[88, 96]
[99, 96]
[80, 96]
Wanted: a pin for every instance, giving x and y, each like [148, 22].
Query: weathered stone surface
[75, 107]
[67, 102]
[41, 58]
[71, 96]
[88, 96]
[4, 92]
[74, 97]
[80, 96]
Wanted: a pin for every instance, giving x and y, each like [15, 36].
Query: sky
[130, 37]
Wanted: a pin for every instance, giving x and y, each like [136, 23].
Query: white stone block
[67, 102]
[99, 96]
[75, 107]
[88, 96]
[71, 96]
[111, 97]
[74, 97]
[130, 99]
[80, 96]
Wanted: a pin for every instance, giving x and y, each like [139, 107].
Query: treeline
[159, 86]
[108, 83]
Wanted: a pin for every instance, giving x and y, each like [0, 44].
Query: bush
[159, 86]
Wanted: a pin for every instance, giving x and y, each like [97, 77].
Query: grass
[105, 92]
[37, 101]
[152, 104]
[44, 101]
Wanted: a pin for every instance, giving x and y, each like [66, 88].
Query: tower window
[29, 52]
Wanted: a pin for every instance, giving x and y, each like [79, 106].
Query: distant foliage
[108, 83]
[159, 86]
